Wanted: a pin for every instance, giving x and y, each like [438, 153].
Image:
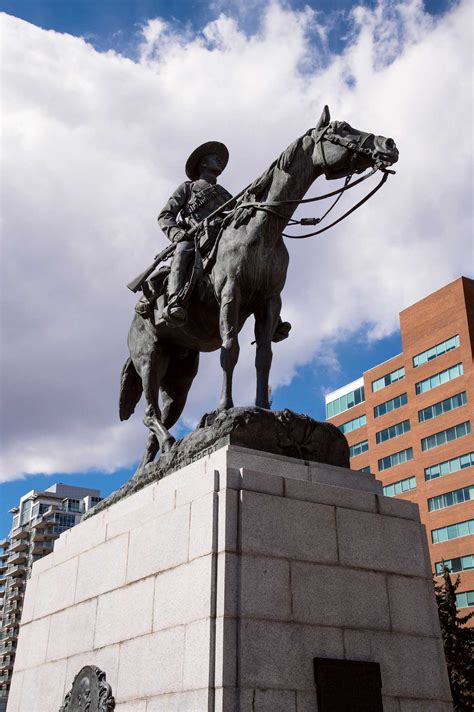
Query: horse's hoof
[167, 445]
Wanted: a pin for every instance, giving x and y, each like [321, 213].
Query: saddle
[155, 292]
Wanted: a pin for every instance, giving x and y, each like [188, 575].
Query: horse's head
[341, 150]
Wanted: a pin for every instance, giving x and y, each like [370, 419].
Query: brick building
[409, 421]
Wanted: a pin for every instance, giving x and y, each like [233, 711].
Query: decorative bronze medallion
[90, 692]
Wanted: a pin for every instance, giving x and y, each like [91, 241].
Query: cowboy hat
[192, 164]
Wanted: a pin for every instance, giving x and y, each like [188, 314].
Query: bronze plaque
[90, 692]
[343, 685]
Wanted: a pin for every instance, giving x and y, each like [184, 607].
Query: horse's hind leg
[176, 383]
[150, 453]
[152, 370]
[266, 318]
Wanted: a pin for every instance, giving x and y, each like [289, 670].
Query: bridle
[356, 147]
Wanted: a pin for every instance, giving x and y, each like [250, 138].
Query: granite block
[137, 517]
[203, 525]
[413, 606]
[394, 507]
[261, 482]
[274, 701]
[228, 515]
[193, 701]
[342, 477]
[331, 595]
[43, 683]
[159, 544]
[51, 593]
[197, 655]
[72, 630]
[226, 652]
[183, 594]
[331, 495]
[125, 613]
[410, 666]
[32, 644]
[287, 528]
[373, 541]
[137, 678]
[102, 569]
[278, 655]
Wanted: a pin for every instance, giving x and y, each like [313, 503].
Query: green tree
[458, 643]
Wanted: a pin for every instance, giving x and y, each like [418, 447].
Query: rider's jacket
[191, 202]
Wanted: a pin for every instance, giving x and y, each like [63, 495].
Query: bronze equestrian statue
[246, 273]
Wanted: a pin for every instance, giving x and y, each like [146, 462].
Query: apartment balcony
[7, 662]
[11, 619]
[15, 593]
[9, 647]
[3, 567]
[18, 557]
[10, 635]
[4, 679]
[20, 533]
[18, 545]
[11, 606]
[41, 548]
[15, 571]
[2, 591]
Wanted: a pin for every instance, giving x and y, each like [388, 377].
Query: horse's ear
[325, 118]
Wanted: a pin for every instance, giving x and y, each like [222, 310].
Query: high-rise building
[39, 518]
[409, 421]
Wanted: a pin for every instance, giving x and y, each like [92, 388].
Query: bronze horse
[248, 276]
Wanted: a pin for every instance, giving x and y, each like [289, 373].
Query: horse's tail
[131, 389]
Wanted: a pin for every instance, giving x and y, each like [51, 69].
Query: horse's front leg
[229, 320]
[266, 318]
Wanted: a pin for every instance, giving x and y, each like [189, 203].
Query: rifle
[136, 284]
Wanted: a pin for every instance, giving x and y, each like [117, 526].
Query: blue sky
[93, 154]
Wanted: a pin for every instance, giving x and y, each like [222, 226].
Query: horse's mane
[258, 190]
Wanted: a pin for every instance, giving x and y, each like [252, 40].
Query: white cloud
[93, 144]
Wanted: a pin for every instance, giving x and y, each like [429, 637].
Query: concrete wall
[216, 587]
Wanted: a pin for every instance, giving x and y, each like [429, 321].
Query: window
[385, 463]
[446, 436]
[365, 469]
[71, 505]
[358, 448]
[390, 405]
[64, 520]
[398, 487]
[26, 511]
[95, 500]
[448, 466]
[348, 400]
[353, 424]
[439, 378]
[461, 563]
[465, 599]
[388, 379]
[435, 351]
[448, 499]
[433, 411]
[392, 432]
[454, 531]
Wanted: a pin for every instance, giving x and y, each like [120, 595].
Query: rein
[330, 136]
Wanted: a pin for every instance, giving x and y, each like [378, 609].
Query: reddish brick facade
[444, 314]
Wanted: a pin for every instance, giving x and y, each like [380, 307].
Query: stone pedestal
[216, 587]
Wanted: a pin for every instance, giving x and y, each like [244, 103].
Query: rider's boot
[175, 314]
[282, 331]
